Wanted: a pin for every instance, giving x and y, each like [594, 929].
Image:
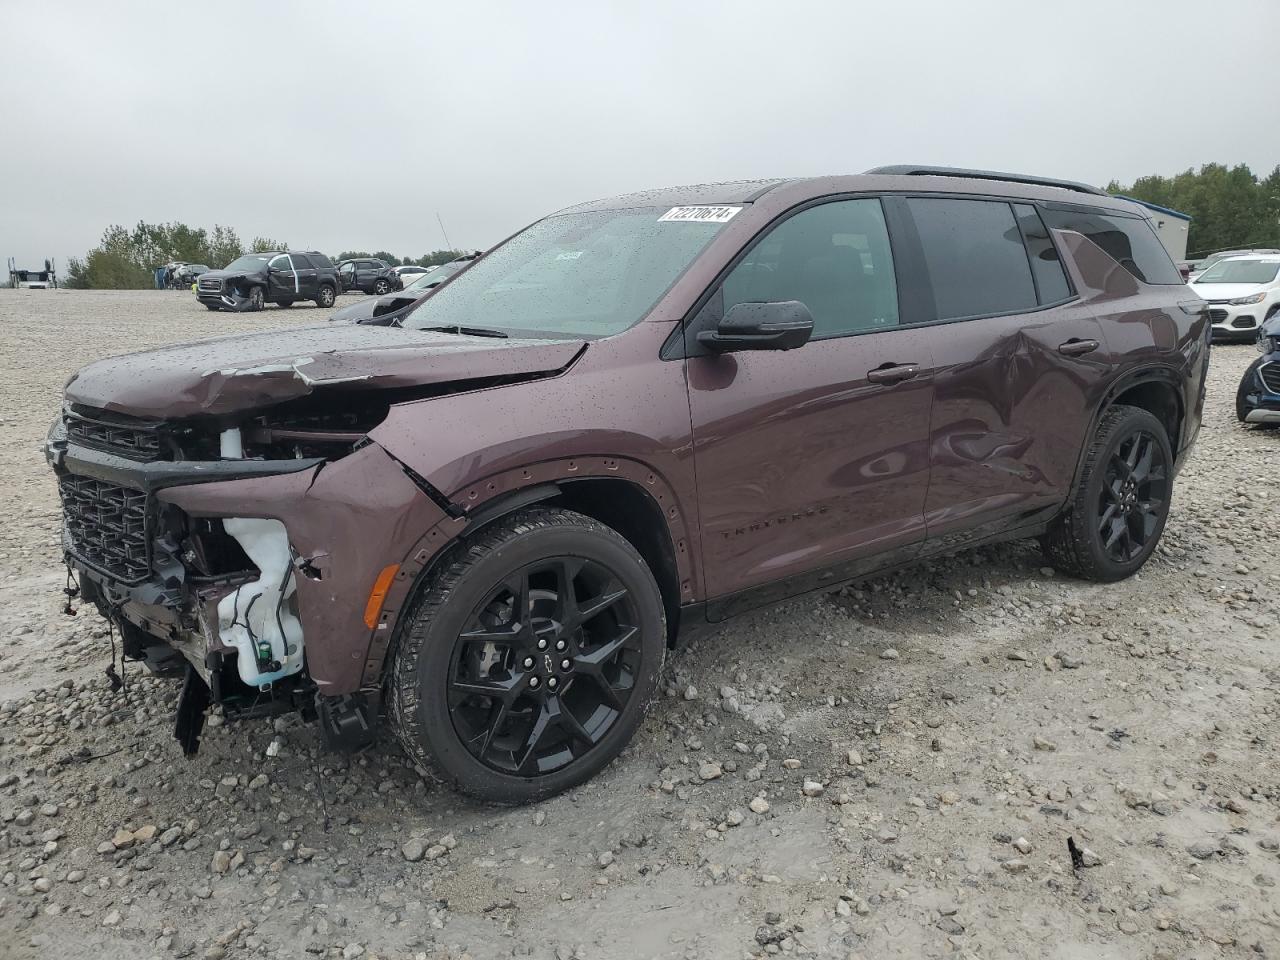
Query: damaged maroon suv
[483, 520]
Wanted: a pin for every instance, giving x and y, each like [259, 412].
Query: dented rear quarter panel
[1153, 331]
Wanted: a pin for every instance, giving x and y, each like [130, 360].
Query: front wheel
[1114, 520]
[529, 658]
[327, 297]
[257, 297]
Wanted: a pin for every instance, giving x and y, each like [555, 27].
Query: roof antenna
[446, 236]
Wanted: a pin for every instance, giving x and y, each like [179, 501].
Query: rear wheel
[327, 296]
[381, 287]
[1118, 512]
[529, 657]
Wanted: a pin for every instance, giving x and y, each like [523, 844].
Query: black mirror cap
[778, 325]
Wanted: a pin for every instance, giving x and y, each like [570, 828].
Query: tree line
[127, 259]
[1230, 207]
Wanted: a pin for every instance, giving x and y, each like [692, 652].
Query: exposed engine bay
[240, 536]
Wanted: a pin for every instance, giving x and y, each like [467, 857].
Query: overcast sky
[345, 125]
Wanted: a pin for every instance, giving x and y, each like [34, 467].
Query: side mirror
[783, 325]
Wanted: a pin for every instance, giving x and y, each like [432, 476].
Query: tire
[606, 673]
[327, 296]
[381, 288]
[285, 304]
[257, 297]
[1133, 515]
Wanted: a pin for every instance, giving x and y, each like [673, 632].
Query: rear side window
[834, 258]
[301, 261]
[320, 260]
[1129, 240]
[975, 257]
[1046, 268]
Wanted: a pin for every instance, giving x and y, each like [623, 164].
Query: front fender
[617, 412]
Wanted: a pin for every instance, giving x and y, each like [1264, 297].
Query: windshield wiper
[469, 331]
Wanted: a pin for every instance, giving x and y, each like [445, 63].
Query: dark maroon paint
[775, 472]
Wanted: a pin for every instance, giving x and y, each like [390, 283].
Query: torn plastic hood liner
[250, 371]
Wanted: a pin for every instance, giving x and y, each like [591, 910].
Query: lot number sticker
[699, 214]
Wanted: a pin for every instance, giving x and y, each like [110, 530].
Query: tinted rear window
[301, 261]
[975, 257]
[1046, 268]
[1130, 241]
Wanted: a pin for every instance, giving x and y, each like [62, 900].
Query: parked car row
[485, 524]
[1243, 293]
[374, 276]
[418, 285]
[285, 278]
[255, 279]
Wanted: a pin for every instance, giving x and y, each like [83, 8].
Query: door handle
[893, 373]
[1077, 348]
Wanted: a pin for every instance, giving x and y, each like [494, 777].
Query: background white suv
[1242, 292]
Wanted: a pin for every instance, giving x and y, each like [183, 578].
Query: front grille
[106, 527]
[1217, 316]
[212, 284]
[1269, 373]
[134, 439]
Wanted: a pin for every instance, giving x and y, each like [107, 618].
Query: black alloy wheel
[528, 657]
[545, 666]
[1134, 496]
[1118, 507]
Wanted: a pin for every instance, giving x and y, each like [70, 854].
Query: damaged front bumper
[257, 572]
[224, 295]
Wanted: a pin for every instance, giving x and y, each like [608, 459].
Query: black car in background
[1258, 396]
[368, 275]
[416, 286]
[279, 277]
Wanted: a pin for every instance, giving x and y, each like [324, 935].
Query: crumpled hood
[251, 371]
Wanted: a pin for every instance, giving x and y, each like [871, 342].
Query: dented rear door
[1016, 380]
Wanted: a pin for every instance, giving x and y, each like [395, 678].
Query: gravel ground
[890, 771]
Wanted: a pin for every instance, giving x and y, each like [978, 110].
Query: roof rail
[907, 170]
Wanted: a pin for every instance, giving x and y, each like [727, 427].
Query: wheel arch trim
[497, 496]
[1162, 374]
